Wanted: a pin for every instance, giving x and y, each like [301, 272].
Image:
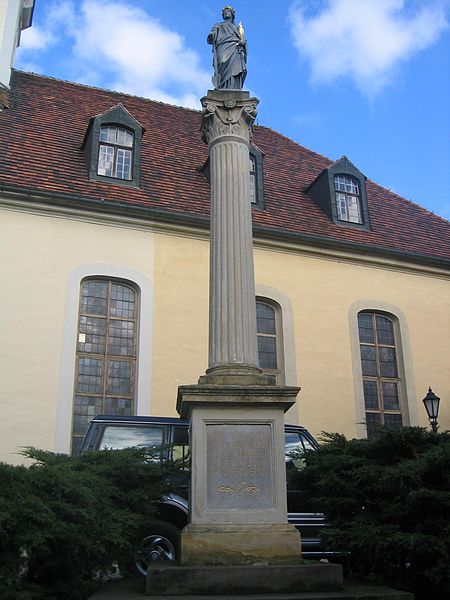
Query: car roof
[142, 420]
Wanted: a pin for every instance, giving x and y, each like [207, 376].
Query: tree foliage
[387, 502]
[65, 520]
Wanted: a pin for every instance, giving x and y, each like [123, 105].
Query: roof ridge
[103, 89]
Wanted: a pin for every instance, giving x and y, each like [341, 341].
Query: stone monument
[238, 509]
[238, 540]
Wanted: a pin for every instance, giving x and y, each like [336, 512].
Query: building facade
[104, 223]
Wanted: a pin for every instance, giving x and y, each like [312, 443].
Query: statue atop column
[230, 52]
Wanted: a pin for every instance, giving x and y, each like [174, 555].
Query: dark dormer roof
[41, 137]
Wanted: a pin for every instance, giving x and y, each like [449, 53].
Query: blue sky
[366, 78]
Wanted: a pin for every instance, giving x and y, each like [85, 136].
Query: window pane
[108, 134]
[121, 338]
[393, 420]
[125, 437]
[89, 407]
[265, 318]
[267, 352]
[94, 297]
[370, 395]
[89, 376]
[124, 137]
[123, 164]
[105, 161]
[373, 422]
[365, 326]
[354, 215]
[118, 406]
[252, 188]
[390, 396]
[388, 362]
[368, 360]
[119, 377]
[91, 337]
[341, 206]
[385, 331]
[122, 301]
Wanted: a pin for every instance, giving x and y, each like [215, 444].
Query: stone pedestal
[238, 513]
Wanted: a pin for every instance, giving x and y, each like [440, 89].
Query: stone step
[171, 579]
[135, 590]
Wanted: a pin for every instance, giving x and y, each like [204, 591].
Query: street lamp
[431, 402]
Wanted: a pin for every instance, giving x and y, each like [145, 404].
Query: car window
[295, 446]
[180, 444]
[118, 437]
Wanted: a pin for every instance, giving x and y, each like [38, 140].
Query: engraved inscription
[239, 466]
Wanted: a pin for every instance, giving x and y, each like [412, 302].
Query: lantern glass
[431, 402]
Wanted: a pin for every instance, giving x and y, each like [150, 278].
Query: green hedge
[65, 521]
[387, 501]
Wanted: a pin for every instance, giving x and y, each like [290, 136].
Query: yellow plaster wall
[39, 252]
[181, 280]
[322, 291]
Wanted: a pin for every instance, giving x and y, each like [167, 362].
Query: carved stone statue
[230, 52]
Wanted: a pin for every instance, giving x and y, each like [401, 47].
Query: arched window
[106, 353]
[115, 152]
[348, 203]
[380, 370]
[269, 343]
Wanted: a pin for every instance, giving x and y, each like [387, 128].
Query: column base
[215, 544]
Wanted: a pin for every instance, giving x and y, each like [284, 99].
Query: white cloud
[120, 46]
[364, 40]
[35, 38]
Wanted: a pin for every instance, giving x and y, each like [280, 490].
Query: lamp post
[431, 402]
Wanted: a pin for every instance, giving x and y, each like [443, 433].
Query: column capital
[229, 114]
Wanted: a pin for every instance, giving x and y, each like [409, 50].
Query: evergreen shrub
[387, 503]
[65, 521]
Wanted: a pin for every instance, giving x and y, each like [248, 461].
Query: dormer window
[115, 152]
[112, 147]
[340, 191]
[252, 166]
[347, 198]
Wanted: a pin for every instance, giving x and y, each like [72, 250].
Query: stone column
[237, 512]
[227, 129]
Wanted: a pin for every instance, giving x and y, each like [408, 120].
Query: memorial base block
[240, 545]
[238, 512]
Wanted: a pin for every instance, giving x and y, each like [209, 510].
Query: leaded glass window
[348, 203]
[115, 153]
[268, 343]
[106, 353]
[379, 365]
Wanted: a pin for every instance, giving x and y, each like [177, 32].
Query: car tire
[160, 542]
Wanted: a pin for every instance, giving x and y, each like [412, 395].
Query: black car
[170, 435]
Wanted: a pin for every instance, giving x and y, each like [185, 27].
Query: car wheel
[161, 543]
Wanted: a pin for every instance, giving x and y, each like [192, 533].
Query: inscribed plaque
[239, 467]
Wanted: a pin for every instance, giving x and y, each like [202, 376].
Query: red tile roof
[42, 132]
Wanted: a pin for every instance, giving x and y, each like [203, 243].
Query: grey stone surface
[242, 409]
[227, 129]
[263, 579]
[135, 590]
[238, 470]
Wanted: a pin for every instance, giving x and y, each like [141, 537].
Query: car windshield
[295, 446]
[117, 437]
